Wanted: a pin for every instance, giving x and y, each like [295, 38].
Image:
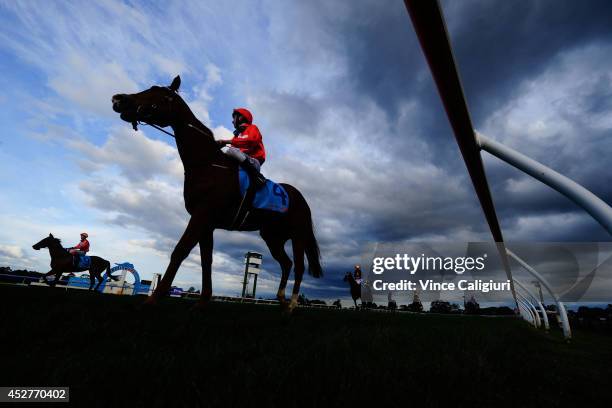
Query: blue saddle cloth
[271, 197]
[84, 262]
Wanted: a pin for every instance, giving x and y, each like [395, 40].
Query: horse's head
[44, 243]
[156, 105]
[347, 277]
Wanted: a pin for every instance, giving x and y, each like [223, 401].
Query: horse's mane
[59, 242]
[202, 127]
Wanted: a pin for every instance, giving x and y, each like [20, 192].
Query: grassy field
[110, 352]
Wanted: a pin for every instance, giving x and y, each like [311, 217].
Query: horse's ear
[50, 235]
[176, 83]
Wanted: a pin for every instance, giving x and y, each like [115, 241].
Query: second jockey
[82, 247]
[246, 146]
[357, 274]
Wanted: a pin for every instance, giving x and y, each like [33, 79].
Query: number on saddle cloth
[271, 197]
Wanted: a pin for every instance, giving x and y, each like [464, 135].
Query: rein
[143, 123]
[136, 123]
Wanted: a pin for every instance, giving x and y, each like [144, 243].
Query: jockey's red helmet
[84, 234]
[244, 113]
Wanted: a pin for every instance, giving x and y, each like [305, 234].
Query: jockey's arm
[248, 141]
[82, 246]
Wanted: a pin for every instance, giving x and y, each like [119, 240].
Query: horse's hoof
[200, 306]
[148, 304]
[286, 314]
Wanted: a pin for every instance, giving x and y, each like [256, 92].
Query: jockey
[82, 247]
[246, 146]
[357, 274]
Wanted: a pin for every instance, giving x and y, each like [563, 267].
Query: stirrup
[255, 177]
[244, 209]
[259, 181]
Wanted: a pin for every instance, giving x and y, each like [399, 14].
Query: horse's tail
[312, 253]
[311, 245]
[108, 270]
[306, 226]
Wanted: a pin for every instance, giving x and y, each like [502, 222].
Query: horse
[355, 287]
[61, 261]
[212, 196]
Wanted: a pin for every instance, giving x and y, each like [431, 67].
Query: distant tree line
[18, 275]
[592, 318]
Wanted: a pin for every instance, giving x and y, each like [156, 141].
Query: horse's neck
[56, 250]
[195, 142]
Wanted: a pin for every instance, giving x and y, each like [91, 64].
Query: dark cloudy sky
[347, 107]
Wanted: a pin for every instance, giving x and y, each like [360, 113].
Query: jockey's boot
[255, 176]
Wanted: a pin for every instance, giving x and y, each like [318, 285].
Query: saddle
[81, 261]
[271, 197]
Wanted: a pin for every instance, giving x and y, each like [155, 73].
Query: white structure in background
[120, 286]
[154, 282]
[252, 265]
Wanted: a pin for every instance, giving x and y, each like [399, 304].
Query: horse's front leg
[58, 277]
[190, 238]
[46, 275]
[206, 254]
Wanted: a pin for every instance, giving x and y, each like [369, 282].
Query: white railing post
[567, 332]
[535, 299]
[532, 308]
[572, 190]
[525, 312]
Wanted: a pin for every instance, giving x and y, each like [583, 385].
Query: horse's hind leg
[298, 270]
[277, 250]
[92, 280]
[98, 276]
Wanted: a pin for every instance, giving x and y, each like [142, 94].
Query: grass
[112, 354]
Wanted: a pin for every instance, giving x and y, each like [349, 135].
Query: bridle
[144, 122]
[153, 107]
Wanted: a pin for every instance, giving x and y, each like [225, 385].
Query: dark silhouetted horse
[212, 195]
[62, 261]
[355, 287]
